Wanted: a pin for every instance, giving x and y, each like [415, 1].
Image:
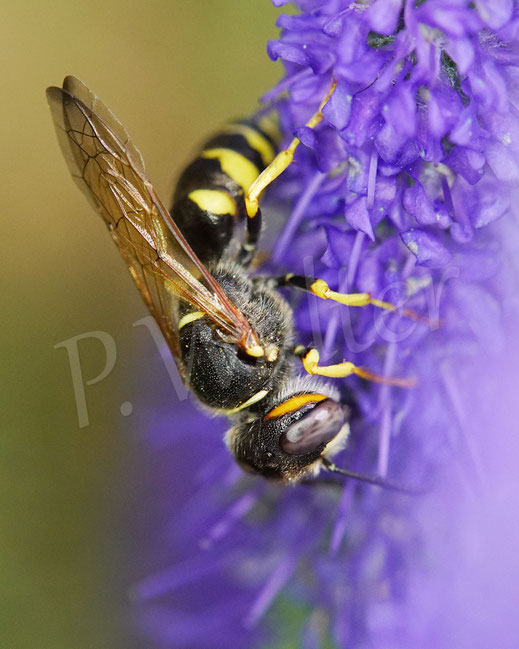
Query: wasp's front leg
[310, 359]
[280, 163]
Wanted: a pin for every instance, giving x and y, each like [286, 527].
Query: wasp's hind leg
[320, 288]
[310, 359]
[282, 160]
[248, 246]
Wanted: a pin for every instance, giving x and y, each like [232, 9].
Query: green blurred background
[172, 71]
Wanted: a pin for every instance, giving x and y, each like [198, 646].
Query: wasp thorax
[221, 374]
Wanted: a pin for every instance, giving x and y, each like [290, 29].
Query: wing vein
[112, 175]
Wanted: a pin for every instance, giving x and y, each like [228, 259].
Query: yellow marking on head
[294, 403]
[255, 140]
[235, 165]
[254, 399]
[216, 201]
[190, 317]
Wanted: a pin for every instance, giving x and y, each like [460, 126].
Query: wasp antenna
[371, 479]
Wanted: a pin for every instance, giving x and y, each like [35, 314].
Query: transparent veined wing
[109, 169]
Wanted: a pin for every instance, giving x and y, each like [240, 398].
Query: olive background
[172, 71]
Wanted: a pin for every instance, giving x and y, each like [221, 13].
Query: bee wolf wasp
[231, 334]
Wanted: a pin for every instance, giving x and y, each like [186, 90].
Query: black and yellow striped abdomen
[209, 197]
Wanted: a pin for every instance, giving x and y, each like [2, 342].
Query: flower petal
[495, 14]
[426, 247]
[337, 110]
[357, 215]
[384, 15]
[417, 203]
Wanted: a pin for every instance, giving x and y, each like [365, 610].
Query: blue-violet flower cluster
[405, 190]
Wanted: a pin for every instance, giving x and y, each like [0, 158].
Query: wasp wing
[109, 169]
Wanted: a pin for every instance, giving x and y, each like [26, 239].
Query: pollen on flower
[413, 247]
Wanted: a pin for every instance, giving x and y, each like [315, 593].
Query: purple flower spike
[407, 190]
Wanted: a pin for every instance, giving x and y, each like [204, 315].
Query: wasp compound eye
[318, 426]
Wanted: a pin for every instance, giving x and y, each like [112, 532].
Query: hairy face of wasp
[288, 442]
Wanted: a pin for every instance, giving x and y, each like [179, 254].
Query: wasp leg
[248, 247]
[280, 163]
[320, 288]
[310, 359]
[282, 160]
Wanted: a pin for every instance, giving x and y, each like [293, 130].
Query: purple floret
[407, 190]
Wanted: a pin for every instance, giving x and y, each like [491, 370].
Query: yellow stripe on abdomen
[255, 140]
[235, 165]
[269, 124]
[190, 317]
[294, 403]
[216, 201]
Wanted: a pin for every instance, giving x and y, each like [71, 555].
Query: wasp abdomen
[209, 197]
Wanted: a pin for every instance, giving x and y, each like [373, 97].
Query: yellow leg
[321, 289]
[280, 163]
[310, 359]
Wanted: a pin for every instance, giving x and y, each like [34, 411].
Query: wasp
[231, 333]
